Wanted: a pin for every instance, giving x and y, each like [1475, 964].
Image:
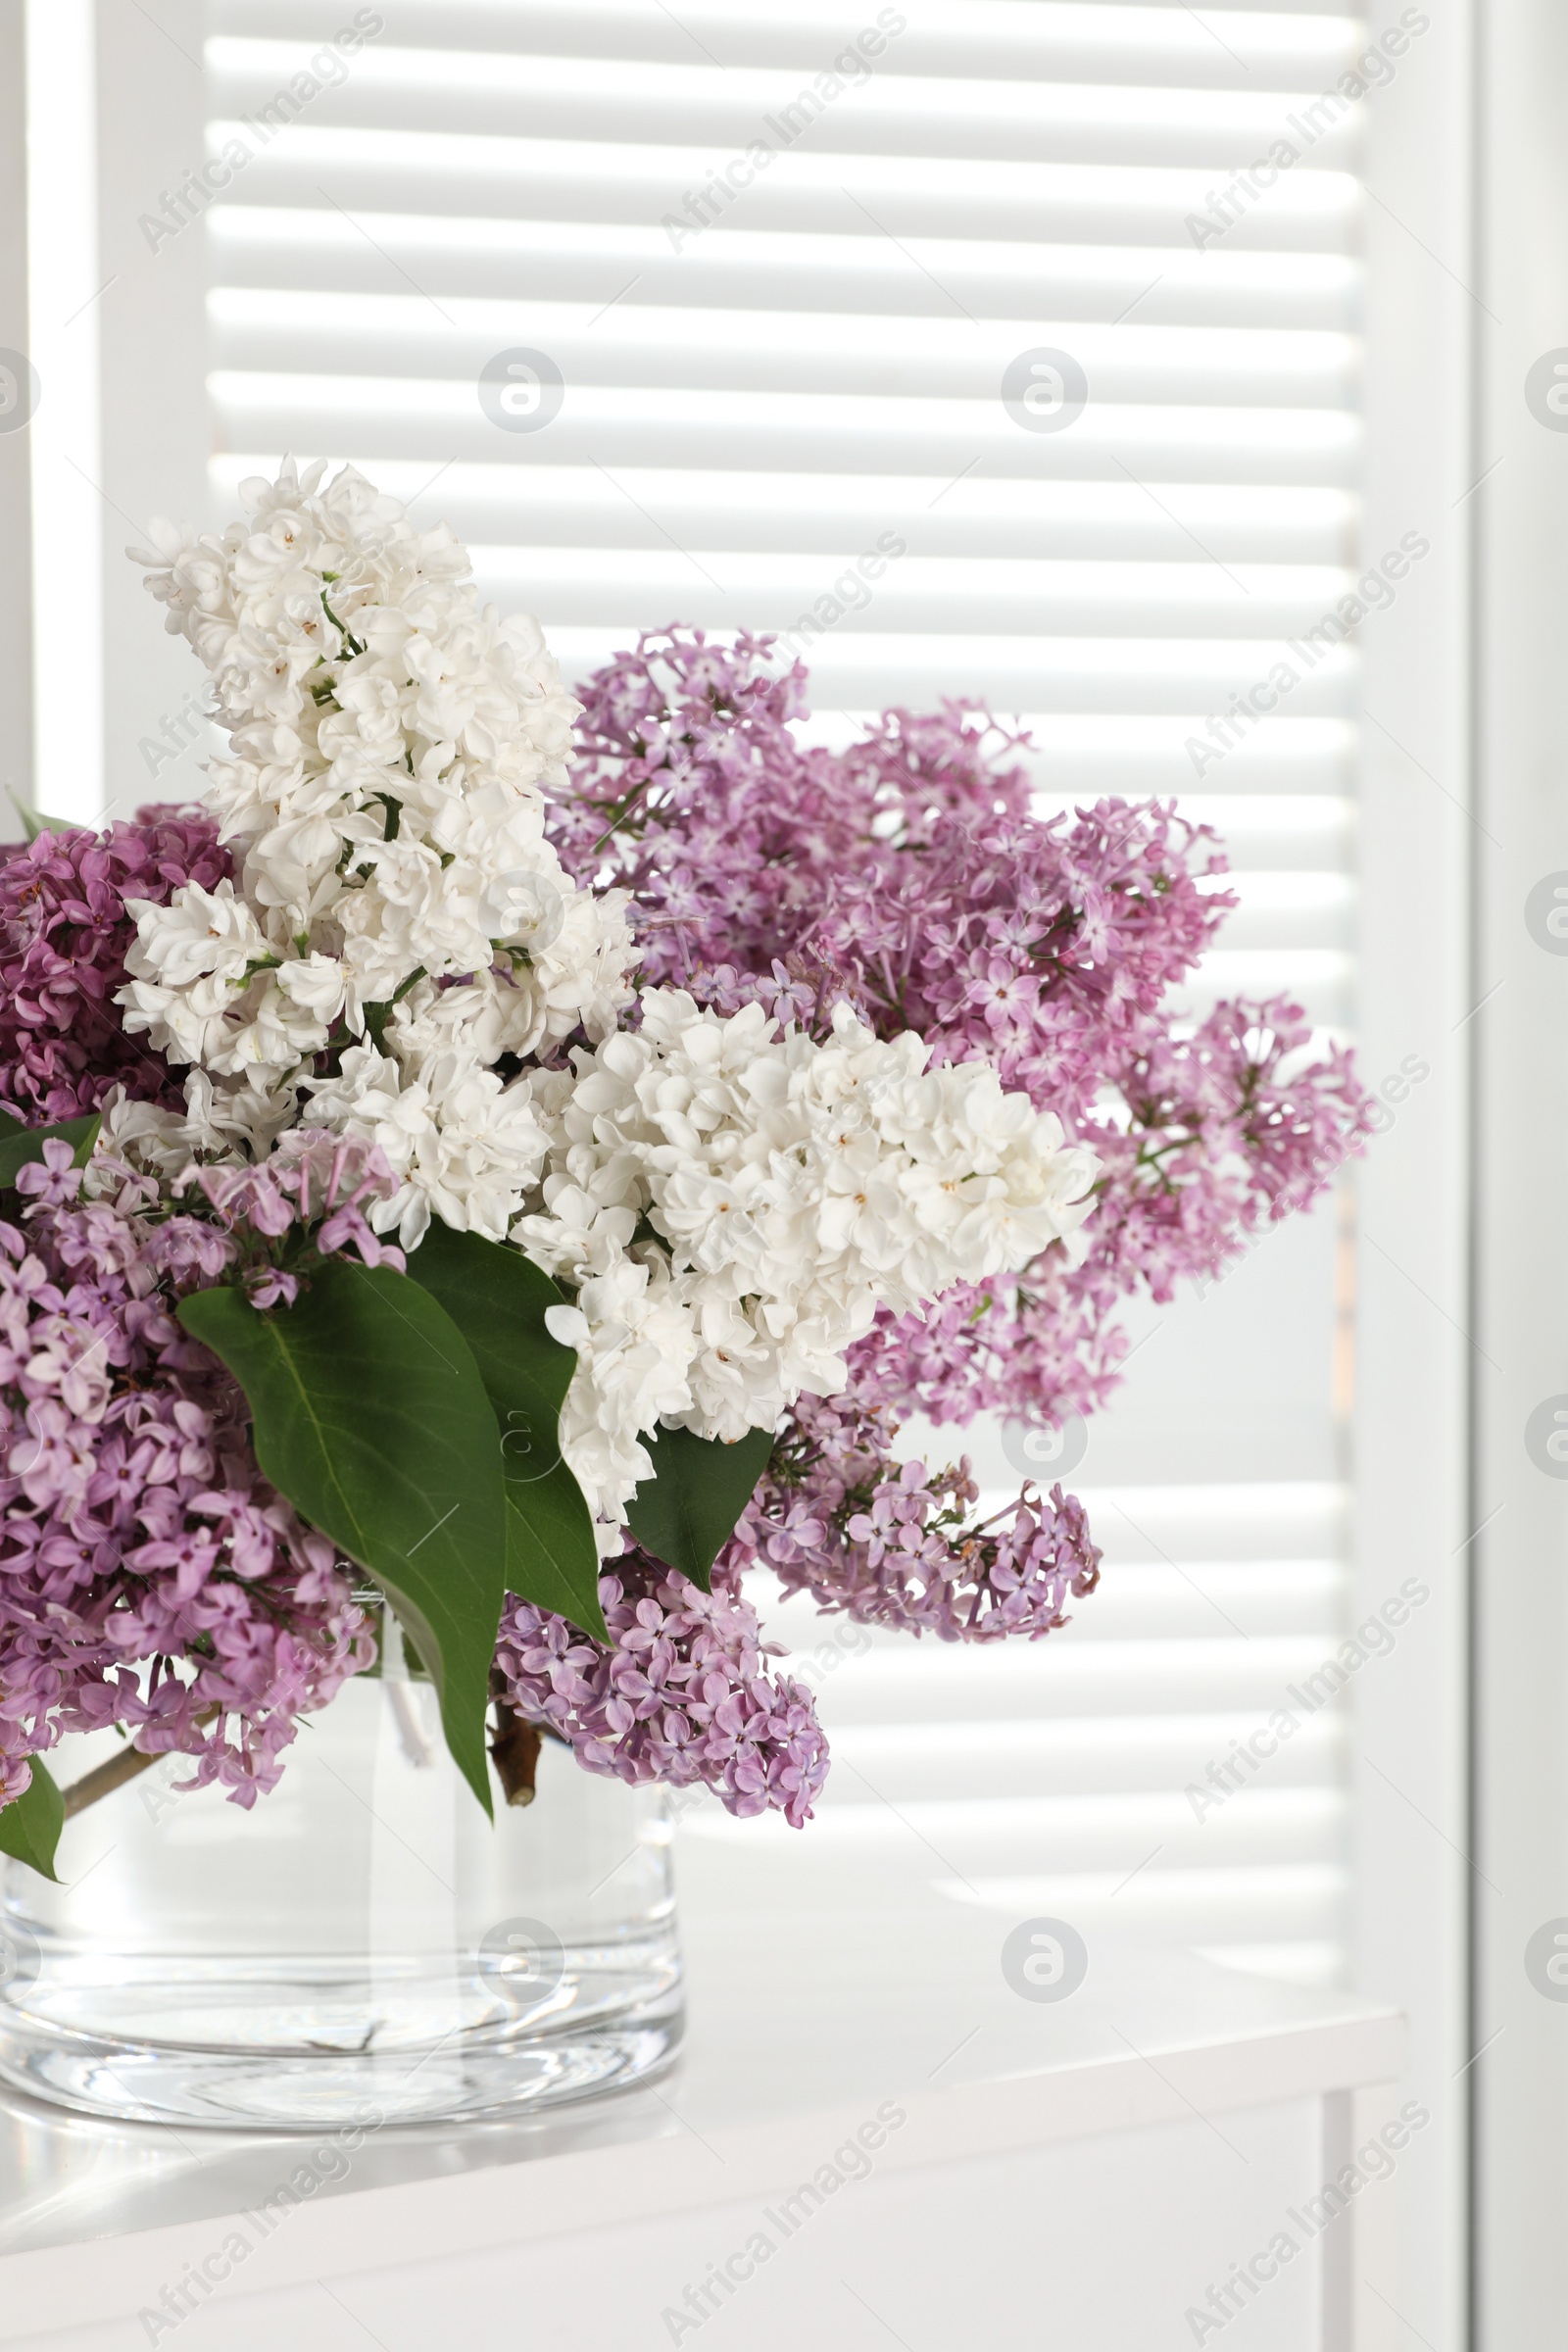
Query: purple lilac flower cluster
[313, 1182]
[63, 932]
[906, 875]
[149, 1576]
[683, 1697]
[136, 1532]
[889, 1544]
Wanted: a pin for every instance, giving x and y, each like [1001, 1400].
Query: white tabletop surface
[803, 2021]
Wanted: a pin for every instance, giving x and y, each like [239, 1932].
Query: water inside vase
[360, 1944]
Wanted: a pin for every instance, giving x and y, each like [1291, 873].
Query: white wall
[154, 405]
[1413, 1362]
[1521, 1147]
[16, 538]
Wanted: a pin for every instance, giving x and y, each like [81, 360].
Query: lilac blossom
[886, 1543]
[149, 1575]
[312, 1181]
[907, 876]
[136, 1532]
[683, 1694]
[1221, 1133]
[63, 933]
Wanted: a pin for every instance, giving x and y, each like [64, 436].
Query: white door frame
[1415, 1362]
[1520, 1313]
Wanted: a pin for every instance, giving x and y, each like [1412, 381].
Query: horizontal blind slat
[1299, 45]
[312, 245]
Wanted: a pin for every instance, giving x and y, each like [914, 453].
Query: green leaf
[552, 1558]
[35, 821]
[497, 1298]
[368, 1413]
[686, 1513]
[31, 1825]
[19, 1144]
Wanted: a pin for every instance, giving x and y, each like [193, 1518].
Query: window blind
[1054, 306]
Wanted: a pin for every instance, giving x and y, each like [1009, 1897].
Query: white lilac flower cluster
[733, 1206]
[395, 895]
[401, 947]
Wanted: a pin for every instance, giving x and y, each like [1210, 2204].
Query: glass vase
[361, 1945]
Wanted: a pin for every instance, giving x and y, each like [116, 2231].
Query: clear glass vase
[360, 1946]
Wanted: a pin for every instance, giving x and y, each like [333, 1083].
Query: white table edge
[105, 2278]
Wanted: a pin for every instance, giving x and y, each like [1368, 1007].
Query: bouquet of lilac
[513, 1161]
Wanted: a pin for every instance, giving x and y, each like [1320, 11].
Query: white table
[1076, 2174]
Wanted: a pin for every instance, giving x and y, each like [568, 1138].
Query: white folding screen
[1055, 308]
[753, 392]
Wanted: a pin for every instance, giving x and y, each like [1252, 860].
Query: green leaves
[686, 1513]
[369, 1412]
[497, 1298]
[31, 1827]
[19, 1144]
[35, 821]
[413, 1418]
